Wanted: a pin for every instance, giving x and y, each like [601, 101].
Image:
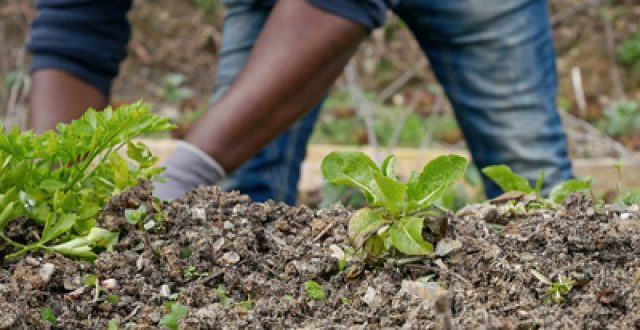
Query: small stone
[625, 216]
[33, 262]
[9, 315]
[72, 283]
[446, 246]
[46, 271]
[154, 317]
[229, 258]
[149, 225]
[481, 211]
[228, 225]
[165, 291]
[218, 244]
[77, 293]
[429, 291]
[110, 285]
[370, 297]
[198, 213]
[336, 252]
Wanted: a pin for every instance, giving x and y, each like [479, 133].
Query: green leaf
[564, 189]
[78, 247]
[47, 315]
[90, 280]
[52, 185]
[364, 223]
[113, 325]
[438, 175]
[114, 299]
[6, 215]
[406, 236]
[314, 290]
[389, 167]
[103, 238]
[61, 226]
[389, 193]
[506, 179]
[135, 216]
[629, 198]
[141, 154]
[374, 246]
[170, 320]
[352, 168]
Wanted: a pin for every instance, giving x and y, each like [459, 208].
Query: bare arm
[299, 54]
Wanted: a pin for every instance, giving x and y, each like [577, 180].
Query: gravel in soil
[237, 264]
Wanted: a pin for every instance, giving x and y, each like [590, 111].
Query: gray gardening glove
[187, 168]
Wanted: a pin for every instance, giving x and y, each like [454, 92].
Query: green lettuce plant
[397, 210]
[508, 180]
[62, 178]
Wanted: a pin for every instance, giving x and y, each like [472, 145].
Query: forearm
[299, 54]
[77, 47]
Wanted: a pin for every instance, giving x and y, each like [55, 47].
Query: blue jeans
[495, 60]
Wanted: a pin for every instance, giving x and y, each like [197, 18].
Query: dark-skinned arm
[298, 56]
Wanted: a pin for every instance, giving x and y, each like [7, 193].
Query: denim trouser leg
[274, 172]
[496, 62]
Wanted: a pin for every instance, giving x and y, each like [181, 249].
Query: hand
[187, 168]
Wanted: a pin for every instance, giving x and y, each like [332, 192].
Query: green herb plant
[556, 290]
[508, 180]
[397, 210]
[314, 290]
[61, 179]
[46, 314]
[177, 312]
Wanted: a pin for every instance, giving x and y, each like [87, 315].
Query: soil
[261, 254]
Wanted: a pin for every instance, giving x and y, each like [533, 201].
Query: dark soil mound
[237, 264]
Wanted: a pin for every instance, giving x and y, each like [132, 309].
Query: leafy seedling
[92, 280]
[136, 216]
[222, 296]
[114, 299]
[287, 298]
[191, 272]
[113, 324]
[47, 315]
[509, 181]
[555, 290]
[177, 313]
[314, 290]
[245, 304]
[397, 210]
[62, 178]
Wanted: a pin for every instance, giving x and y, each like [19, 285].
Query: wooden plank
[602, 170]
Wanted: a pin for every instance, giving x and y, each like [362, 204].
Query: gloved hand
[187, 168]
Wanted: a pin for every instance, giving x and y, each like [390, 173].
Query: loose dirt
[237, 264]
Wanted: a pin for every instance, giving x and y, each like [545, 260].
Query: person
[495, 60]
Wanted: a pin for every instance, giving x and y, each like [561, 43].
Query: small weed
[177, 312]
[47, 315]
[314, 290]
[113, 324]
[114, 299]
[287, 298]
[191, 272]
[345, 300]
[136, 216]
[246, 304]
[184, 253]
[555, 290]
[398, 210]
[222, 296]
